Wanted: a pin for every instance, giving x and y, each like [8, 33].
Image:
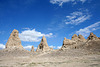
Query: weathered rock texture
[32, 49]
[81, 38]
[75, 37]
[92, 37]
[75, 42]
[43, 46]
[80, 42]
[93, 45]
[78, 38]
[14, 40]
[67, 43]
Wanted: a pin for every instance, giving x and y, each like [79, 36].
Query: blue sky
[55, 19]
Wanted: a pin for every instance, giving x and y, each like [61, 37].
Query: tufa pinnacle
[43, 46]
[14, 40]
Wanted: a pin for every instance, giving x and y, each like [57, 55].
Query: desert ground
[55, 58]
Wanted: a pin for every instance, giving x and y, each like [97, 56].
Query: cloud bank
[86, 31]
[32, 35]
[2, 46]
[28, 47]
[52, 46]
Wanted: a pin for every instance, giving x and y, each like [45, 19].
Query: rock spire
[43, 46]
[14, 40]
[32, 49]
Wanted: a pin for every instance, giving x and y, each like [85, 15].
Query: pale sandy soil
[67, 58]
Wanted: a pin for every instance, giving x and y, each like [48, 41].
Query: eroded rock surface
[32, 49]
[81, 38]
[80, 42]
[14, 40]
[75, 37]
[67, 43]
[92, 37]
[43, 46]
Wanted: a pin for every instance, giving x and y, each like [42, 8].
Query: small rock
[32, 49]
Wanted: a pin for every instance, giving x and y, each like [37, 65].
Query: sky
[54, 19]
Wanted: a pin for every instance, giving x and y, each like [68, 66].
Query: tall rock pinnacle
[32, 49]
[14, 40]
[43, 46]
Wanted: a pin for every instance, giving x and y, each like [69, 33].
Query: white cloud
[58, 47]
[2, 46]
[77, 17]
[52, 46]
[86, 31]
[28, 47]
[32, 35]
[60, 2]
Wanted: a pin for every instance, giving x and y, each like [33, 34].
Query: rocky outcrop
[75, 42]
[93, 45]
[32, 49]
[43, 46]
[81, 38]
[80, 42]
[67, 43]
[14, 40]
[75, 37]
[78, 38]
[98, 37]
[92, 37]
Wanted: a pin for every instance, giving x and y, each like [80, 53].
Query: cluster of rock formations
[15, 42]
[75, 42]
[78, 41]
[79, 37]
